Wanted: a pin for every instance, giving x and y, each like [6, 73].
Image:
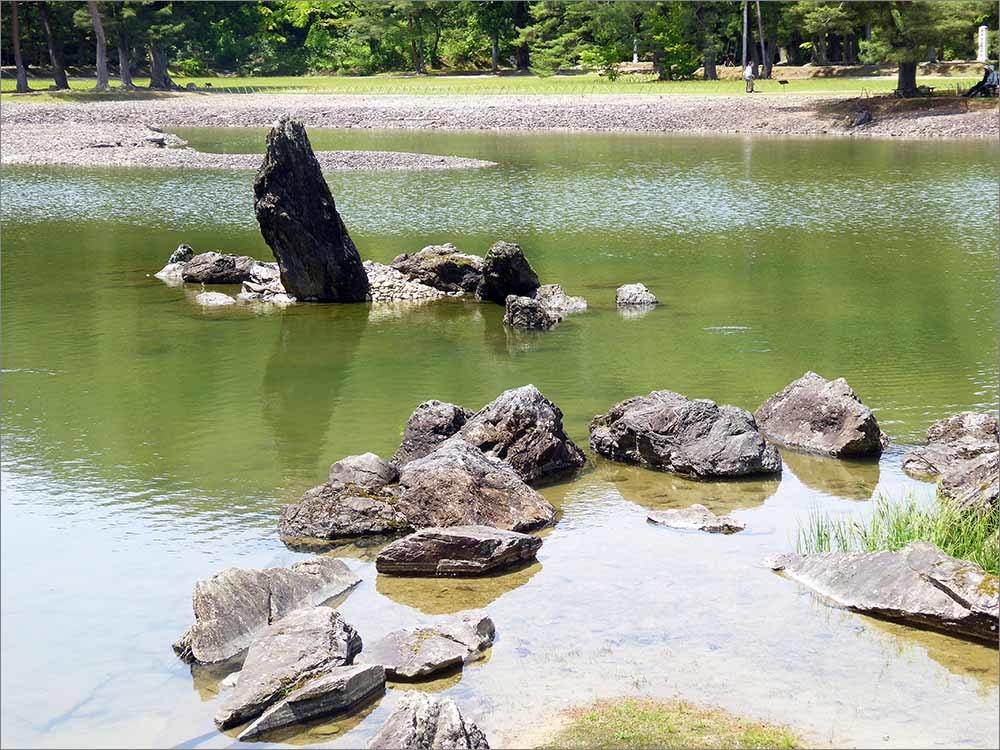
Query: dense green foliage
[295, 37]
[965, 534]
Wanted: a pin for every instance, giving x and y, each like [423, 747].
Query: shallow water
[148, 443]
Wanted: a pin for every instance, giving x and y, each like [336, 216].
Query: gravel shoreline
[116, 133]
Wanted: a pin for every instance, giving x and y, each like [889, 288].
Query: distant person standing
[748, 77]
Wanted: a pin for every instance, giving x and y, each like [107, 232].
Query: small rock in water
[697, 518]
[411, 653]
[430, 424]
[634, 294]
[424, 722]
[457, 551]
[822, 416]
[337, 691]
[529, 314]
[214, 299]
[556, 301]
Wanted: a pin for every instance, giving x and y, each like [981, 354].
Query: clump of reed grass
[968, 534]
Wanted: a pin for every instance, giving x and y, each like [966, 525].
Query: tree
[102, 46]
[15, 40]
[122, 26]
[495, 18]
[165, 24]
[521, 20]
[819, 20]
[55, 47]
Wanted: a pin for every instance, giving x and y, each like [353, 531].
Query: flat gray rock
[337, 691]
[457, 485]
[430, 424]
[524, 429]
[217, 268]
[236, 605]
[412, 653]
[696, 518]
[691, 437]
[366, 470]
[821, 416]
[635, 295]
[457, 551]
[423, 722]
[332, 511]
[918, 585]
[307, 643]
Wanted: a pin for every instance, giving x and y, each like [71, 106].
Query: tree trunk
[709, 63]
[744, 64]
[102, 46]
[495, 51]
[15, 40]
[907, 80]
[416, 48]
[55, 48]
[520, 21]
[124, 64]
[159, 76]
[819, 50]
[765, 63]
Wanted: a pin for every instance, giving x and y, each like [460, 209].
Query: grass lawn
[589, 83]
[965, 534]
[638, 723]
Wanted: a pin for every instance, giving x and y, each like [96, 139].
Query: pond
[148, 443]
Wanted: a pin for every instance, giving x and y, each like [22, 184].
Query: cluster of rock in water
[458, 490]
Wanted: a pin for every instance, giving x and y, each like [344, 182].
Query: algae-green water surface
[148, 443]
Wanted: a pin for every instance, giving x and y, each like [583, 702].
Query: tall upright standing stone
[299, 221]
[982, 37]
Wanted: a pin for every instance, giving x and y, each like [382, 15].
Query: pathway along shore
[86, 133]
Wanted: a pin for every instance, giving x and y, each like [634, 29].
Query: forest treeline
[294, 37]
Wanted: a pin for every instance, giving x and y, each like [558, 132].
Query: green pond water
[148, 443]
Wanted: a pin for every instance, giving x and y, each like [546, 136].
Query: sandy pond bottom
[148, 443]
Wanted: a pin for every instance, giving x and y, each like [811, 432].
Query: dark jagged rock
[822, 416]
[305, 644]
[524, 429]
[457, 485]
[696, 518]
[300, 223]
[337, 691]
[424, 722]
[412, 653]
[697, 438]
[457, 551]
[182, 254]
[529, 314]
[233, 607]
[430, 424]
[216, 268]
[506, 271]
[336, 511]
[918, 585]
[443, 267]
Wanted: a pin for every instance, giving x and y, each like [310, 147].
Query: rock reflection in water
[851, 479]
[205, 678]
[439, 596]
[658, 490]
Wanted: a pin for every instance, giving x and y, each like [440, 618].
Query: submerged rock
[424, 722]
[411, 653]
[366, 470]
[214, 299]
[443, 267]
[918, 585]
[506, 271]
[524, 429]
[697, 438]
[233, 607]
[305, 644]
[457, 551]
[216, 268]
[337, 511]
[337, 691]
[822, 416]
[556, 301]
[430, 424]
[300, 223]
[529, 314]
[629, 295]
[696, 518]
[457, 485]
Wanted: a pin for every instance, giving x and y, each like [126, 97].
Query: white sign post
[983, 55]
